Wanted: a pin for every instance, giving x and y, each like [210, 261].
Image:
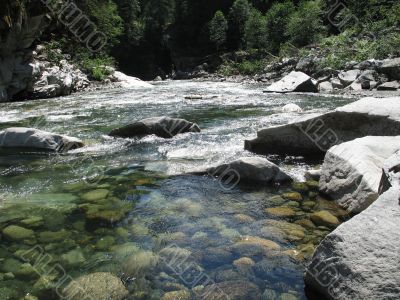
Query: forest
[155, 37]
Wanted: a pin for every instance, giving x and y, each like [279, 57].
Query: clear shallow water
[113, 205]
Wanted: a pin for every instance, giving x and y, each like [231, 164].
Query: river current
[123, 206]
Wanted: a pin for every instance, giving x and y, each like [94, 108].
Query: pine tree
[218, 29]
[238, 15]
[256, 30]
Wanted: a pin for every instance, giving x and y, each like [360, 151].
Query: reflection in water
[113, 207]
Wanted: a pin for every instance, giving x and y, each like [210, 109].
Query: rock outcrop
[294, 82]
[359, 260]
[160, 126]
[352, 171]
[391, 67]
[30, 139]
[16, 52]
[313, 136]
[253, 170]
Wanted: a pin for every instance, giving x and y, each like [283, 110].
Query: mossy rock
[95, 195]
[325, 218]
[306, 223]
[277, 200]
[17, 233]
[281, 211]
[73, 258]
[300, 187]
[47, 237]
[32, 222]
[105, 243]
[313, 185]
[293, 196]
[181, 295]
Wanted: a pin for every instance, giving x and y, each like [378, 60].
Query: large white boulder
[253, 170]
[294, 82]
[348, 77]
[126, 81]
[360, 259]
[314, 135]
[351, 171]
[37, 140]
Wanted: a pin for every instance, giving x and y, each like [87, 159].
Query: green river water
[116, 205]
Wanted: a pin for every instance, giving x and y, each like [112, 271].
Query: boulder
[325, 86]
[389, 86]
[391, 67]
[37, 140]
[291, 108]
[99, 286]
[348, 77]
[164, 127]
[336, 84]
[126, 81]
[314, 135]
[351, 171]
[254, 170]
[359, 259]
[294, 82]
[306, 65]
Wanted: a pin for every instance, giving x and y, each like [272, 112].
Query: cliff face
[19, 28]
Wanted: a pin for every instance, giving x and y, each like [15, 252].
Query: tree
[305, 25]
[276, 19]
[159, 14]
[130, 11]
[256, 30]
[238, 15]
[218, 28]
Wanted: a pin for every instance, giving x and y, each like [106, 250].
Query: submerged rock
[352, 171]
[315, 135]
[359, 260]
[294, 82]
[324, 218]
[285, 212]
[37, 140]
[164, 127]
[233, 290]
[254, 170]
[99, 286]
[17, 233]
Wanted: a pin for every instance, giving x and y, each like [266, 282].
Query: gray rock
[255, 170]
[99, 286]
[336, 83]
[391, 67]
[356, 86]
[306, 65]
[389, 86]
[161, 126]
[314, 135]
[359, 260]
[348, 77]
[37, 140]
[294, 82]
[325, 86]
[351, 171]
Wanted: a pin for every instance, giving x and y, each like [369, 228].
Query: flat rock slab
[360, 259]
[352, 171]
[37, 140]
[294, 82]
[314, 135]
[253, 170]
[160, 126]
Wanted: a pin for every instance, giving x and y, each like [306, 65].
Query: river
[117, 206]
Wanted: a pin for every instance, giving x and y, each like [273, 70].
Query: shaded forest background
[147, 38]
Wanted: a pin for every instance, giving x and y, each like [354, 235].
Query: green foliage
[218, 29]
[276, 19]
[256, 30]
[305, 25]
[348, 46]
[159, 14]
[246, 67]
[238, 16]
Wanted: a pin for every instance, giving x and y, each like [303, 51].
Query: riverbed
[125, 206]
